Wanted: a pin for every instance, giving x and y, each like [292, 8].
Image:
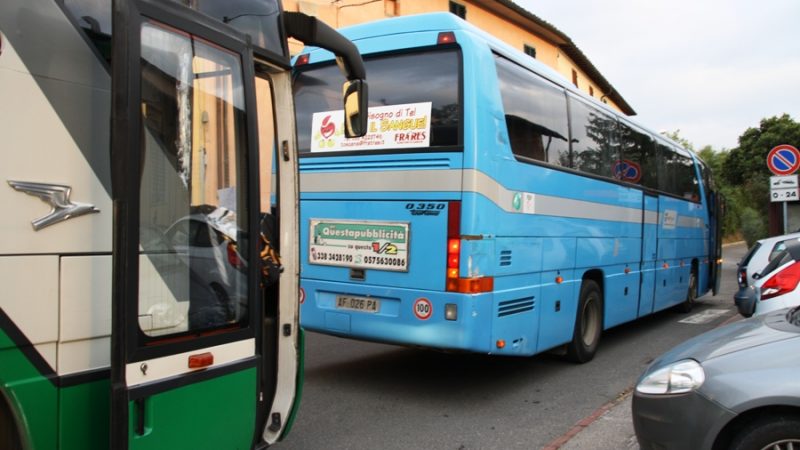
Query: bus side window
[638, 148]
[536, 114]
[592, 131]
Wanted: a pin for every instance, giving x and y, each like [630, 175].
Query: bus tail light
[453, 280]
[302, 60]
[782, 282]
[446, 37]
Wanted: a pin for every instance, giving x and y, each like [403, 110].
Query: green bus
[149, 250]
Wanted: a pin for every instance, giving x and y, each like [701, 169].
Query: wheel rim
[589, 321]
[784, 444]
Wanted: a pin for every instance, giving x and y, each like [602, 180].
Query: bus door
[715, 212]
[185, 355]
[649, 253]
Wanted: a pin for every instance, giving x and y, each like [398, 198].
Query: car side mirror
[355, 108]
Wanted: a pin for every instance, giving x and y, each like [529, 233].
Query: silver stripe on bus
[470, 180]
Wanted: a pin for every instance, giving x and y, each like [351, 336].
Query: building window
[591, 91]
[459, 10]
[575, 77]
[529, 50]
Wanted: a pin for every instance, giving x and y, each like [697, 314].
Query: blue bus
[491, 206]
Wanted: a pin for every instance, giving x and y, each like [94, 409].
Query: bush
[753, 226]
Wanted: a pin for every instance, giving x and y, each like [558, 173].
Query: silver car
[735, 387]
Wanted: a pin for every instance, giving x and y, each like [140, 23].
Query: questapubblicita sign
[359, 244]
[389, 127]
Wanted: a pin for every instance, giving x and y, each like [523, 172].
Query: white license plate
[364, 304]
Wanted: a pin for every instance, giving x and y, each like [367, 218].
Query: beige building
[501, 18]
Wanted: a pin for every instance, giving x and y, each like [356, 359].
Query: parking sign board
[784, 188]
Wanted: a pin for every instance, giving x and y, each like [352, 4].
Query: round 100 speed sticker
[423, 309]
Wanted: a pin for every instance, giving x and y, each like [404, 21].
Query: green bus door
[185, 351]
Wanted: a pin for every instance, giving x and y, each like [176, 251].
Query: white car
[759, 256]
[776, 286]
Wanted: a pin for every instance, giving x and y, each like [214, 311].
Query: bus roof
[443, 21]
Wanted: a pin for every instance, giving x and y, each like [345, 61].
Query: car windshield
[749, 255]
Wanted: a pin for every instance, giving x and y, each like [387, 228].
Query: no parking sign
[783, 160]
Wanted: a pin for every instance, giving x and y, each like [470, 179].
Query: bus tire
[9, 433]
[588, 324]
[691, 294]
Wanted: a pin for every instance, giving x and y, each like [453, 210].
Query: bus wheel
[691, 295]
[588, 324]
[9, 435]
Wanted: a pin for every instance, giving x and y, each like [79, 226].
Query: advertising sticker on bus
[390, 127]
[367, 245]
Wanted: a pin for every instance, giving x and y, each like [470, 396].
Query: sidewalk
[612, 430]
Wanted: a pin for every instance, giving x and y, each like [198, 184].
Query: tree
[744, 170]
[745, 166]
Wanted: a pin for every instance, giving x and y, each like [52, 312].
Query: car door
[185, 354]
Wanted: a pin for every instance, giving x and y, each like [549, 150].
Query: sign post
[783, 161]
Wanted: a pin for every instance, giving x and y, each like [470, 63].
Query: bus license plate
[357, 303]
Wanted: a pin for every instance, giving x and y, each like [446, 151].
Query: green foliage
[753, 226]
[676, 136]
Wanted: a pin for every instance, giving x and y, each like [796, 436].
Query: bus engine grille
[516, 306]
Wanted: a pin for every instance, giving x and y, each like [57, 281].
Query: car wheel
[588, 324]
[773, 433]
[691, 294]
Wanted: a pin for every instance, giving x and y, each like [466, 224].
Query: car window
[779, 247]
[779, 260]
[749, 255]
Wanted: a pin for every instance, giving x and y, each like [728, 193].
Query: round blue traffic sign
[783, 160]
[627, 170]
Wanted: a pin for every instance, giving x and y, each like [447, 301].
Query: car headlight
[676, 378]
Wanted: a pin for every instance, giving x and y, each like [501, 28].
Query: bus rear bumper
[400, 316]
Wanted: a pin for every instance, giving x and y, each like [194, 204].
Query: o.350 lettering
[425, 206]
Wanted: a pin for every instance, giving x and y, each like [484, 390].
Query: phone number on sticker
[385, 261]
[337, 257]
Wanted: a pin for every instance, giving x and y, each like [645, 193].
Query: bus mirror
[355, 108]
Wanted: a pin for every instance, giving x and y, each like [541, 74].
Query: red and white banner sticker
[393, 126]
[423, 309]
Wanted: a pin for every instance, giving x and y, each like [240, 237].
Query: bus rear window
[414, 104]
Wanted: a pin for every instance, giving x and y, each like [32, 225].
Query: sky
[709, 68]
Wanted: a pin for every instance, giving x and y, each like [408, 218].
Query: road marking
[704, 317]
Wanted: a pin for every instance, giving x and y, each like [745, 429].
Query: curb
[730, 244]
[588, 420]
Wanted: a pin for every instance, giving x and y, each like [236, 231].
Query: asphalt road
[360, 395]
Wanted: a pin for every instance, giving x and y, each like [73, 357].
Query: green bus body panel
[219, 413]
[34, 397]
[84, 416]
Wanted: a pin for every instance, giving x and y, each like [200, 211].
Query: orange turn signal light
[201, 360]
[470, 285]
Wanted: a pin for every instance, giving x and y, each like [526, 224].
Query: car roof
[783, 237]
